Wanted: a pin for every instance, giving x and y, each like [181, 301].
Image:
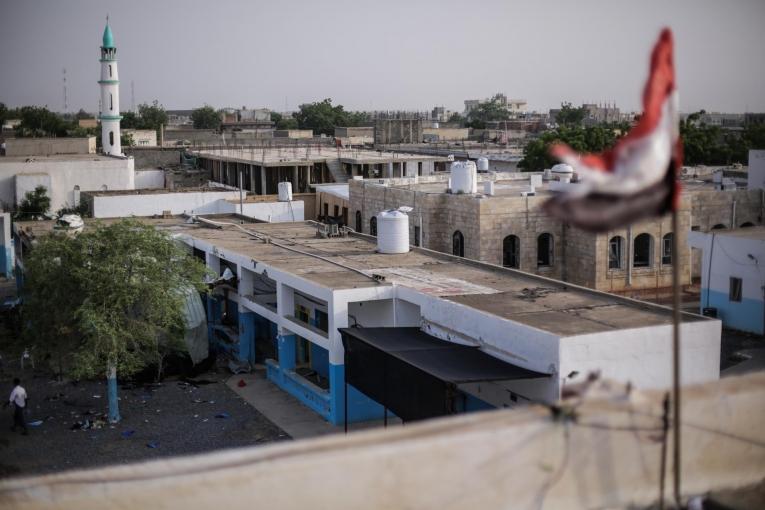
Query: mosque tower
[110, 96]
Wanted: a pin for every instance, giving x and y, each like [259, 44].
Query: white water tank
[285, 192]
[483, 164]
[563, 169]
[488, 188]
[464, 177]
[392, 232]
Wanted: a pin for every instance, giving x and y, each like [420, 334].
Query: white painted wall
[730, 257]
[149, 204]
[149, 179]
[756, 170]
[371, 314]
[91, 174]
[643, 356]
[273, 212]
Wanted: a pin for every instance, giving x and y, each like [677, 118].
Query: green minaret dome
[108, 37]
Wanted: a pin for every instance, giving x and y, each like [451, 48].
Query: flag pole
[676, 356]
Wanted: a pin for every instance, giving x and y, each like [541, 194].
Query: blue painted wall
[247, 337]
[320, 360]
[360, 407]
[746, 315]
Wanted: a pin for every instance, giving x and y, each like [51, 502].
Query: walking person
[19, 400]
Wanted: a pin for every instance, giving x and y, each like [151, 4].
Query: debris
[127, 433]
[223, 415]
[241, 383]
[35, 423]
[152, 444]
[96, 396]
[537, 292]
[196, 382]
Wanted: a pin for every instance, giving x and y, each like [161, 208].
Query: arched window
[111, 101]
[643, 249]
[458, 244]
[110, 70]
[111, 137]
[511, 250]
[358, 221]
[747, 224]
[545, 250]
[666, 249]
[373, 226]
[616, 253]
[719, 226]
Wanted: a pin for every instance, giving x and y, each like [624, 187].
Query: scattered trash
[54, 398]
[197, 401]
[152, 444]
[127, 433]
[96, 396]
[241, 383]
[35, 423]
[195, 382]
[239, 367]
[204, 420]
[196, 416]
[223, 415]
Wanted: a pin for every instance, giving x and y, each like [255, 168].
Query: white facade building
[732, 278]
[110, 96]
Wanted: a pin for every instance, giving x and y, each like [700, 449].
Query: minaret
[110, 96]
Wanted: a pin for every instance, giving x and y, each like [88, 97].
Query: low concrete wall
[149, 179]
[153, 157]
[149, 204]
[49, 146]
[606, 456]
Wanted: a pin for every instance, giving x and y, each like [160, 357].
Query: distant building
[179, 117]
[732, 281]
[50, 146]
[514, 107]
[398, 130]
[142, 137]
[87, 123]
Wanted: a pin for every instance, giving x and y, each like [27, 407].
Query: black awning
[414, 374]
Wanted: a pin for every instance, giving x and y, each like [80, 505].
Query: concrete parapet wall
[609, 456]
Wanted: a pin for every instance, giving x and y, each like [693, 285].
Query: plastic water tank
[483, 164]
[562, 169]
[285, 192]
[464, 177]
[392, 232]
[488, 188]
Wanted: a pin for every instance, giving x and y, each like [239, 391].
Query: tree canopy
[111, 297]
[152, 115]
[536, 155]
[568, 115]
[485, 112]
[205, 117]
[322, 117]
[711, 145]
[34, 204]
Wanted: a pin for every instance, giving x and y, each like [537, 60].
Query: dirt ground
[172, 418]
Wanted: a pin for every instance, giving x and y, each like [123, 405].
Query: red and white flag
[636, 178]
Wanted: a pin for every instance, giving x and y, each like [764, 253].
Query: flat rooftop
[305, 155]
[544, 304]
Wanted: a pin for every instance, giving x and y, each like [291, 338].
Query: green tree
[34, 204]
[282, 122]
[82, 114]
[205, 117]
[130, 281]
[152, 116]
[536, 153]
[568, 115]
[321, 117]
[39, 121]
[130, 120]
[485, 112]
[456, 118]
[126, 140]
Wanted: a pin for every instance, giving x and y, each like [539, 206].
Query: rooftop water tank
[450, 157]
[464, 177]
[562, 169]
[285, 192]
[392, 232]
[483, 164]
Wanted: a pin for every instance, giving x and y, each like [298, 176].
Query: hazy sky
[383, 54]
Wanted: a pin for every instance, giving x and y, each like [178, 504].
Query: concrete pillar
[295, 179]
[287, 348]
[246, 336]
[263, 190]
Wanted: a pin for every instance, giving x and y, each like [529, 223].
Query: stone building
[506, 226]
